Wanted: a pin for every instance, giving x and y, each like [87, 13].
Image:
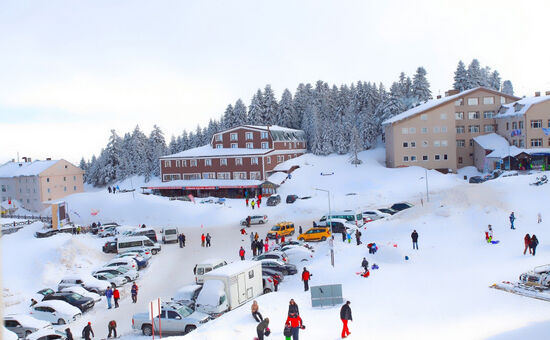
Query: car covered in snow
[476, 179]
[291, 199]
[127, 262]
[89, 283]
[24, 325]
[47, 334]
[401, 206]
[114, 281]
[297, 253]
[81, 302]
[255, 219]
[143, 252]
[108, 231]
[174, 318]
[388, 211]
[275, 255]
[129, 274]
[284, 268]
[187, 295]
[82, 291]
[374, 214]
[55, 311]
[141, 261]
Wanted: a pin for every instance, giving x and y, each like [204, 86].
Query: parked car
[256, 219]
[67, 229]
[401, 206]
[274, 273]
[284, 268]
[89, 283]
[55, 311]
[297, 253]
[169, 234]
[269, 284]
[8, 335]
[82, 291]
[148, 232]
[291, 198]
[476, 179]
[129, 274]
[43, 292]
[316, 234]
[174, 318]
[47, 334]
[509, 173]
[108, 231]
[273, 200]
[110, 247]
[141, 262]
[292, 242]
[337, 225]
[388, 211]
[143, 252]
[24, 325]
[187, 295]
[115, 281]
[276, 255]
[128, 262]
[74, 299]
[280, 229]
[374, 214]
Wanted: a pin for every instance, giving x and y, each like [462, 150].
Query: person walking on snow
[512, 219]
[344, 236]
[183, 239]
[134, 292]
[300, 232]
[247, 201]
[108, 296]
[534, 243]
[109, 188]
[414, 237]
[261, 246]
[294, 321]
[203, 238]
[68, 334]
[365, 264]
[254, 248]
[266, 246]
[251, 237]
[256, 237]
[262, 329]
[293, 307]
[258, 202]
[358, 236]
[305, 277]
[114, 190]
[87, 331]
[116, 296]
[241, 253]
[527, 242]
[345, 316]
[112, 328]
[254, 309]
[208, 238]
[283, 239]
[539, 218]
[180, 240]
[348, 235]
[252, 204]
[277, 238]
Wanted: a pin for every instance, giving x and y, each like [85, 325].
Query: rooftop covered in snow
[209, 151]
[16, 169]
[491, 141]
[520, 107]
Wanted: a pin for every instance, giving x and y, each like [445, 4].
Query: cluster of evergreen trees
[475, 76]
[345, 119]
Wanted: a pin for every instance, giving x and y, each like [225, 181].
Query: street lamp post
[426, 179]
[330, 222]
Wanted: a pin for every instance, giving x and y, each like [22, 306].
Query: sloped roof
[520, 107]
[491, 141]
[278, 177]
[16, 169]
[209, 151]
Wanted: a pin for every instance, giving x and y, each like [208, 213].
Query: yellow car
[315, 234]
[282, 228]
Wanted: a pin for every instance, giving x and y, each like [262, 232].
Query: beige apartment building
[34, 184]
[439, 133]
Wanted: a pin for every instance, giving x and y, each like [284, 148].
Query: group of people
[113, 189]
[181, 240]
[111, 293]
[254, 202]
[257, 244]
[205, 240]
[531, 243]
[88, 332]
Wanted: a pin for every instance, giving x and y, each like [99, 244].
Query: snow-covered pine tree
[421, 86]
[184, 141]
[269, 106]
[173, 146]
[84, 166]
[125, 167]
[156, 149]
[355, 146]
[91, 171]
[240, 113]
[461, 77]
[507, 88]
[302, 99]
[285, 110]
[139, 149]
[494, 81]
[111, 158]
[229, 117]
[255, 115]
[474, 74]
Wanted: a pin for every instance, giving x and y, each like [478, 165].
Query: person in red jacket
[283, 239]
[116, 296]
[294, 321]
[305, 277]
[203, 238]
[241, 253]
[527, 241]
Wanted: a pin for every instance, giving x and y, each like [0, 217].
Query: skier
[294, 321]
[109, 295]
[109, 188]
[539, 218]
[534, 243]
[252, 204]
[365, 264]
[116, 296]
[512, 219]
[203, 238]
[241, 253]
[68, 334]
[254, 308]
[305, 277]
[262, 329]
[358, 236]
[134, 292]
[414, 237]
[208, 238]
[183, 239]
[112, 328]
[293, 307]
[345, 316]
[527, 241]
[87, 331]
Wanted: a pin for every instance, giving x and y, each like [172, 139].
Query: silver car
[129, 274]
[175, 319]
[25, 325]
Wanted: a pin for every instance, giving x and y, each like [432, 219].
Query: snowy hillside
[441, 292]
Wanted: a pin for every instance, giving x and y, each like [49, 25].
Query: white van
[136, 242]
[355, 217]
[205, 267]
[169, 234]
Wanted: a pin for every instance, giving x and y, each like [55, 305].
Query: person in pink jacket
[266, 247]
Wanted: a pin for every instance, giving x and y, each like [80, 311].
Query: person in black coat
[183, 239]
[68, 334]
[534, 243]
[87, 331]
[261, 328]
[345, 316]
[293, 307]
[414, 237]
[365, 264]
[344, 236]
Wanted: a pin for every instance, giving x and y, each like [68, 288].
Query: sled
[495, 242]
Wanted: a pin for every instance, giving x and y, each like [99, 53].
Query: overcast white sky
[72, 70]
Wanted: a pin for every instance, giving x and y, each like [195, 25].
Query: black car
[285, 269]
[401, 206]
[387, 211]
[337, 227]
[45, 233]
[45, 292]
[476, 179]
[110, 247]
[81, 302]
[291, 198]
[273, 200]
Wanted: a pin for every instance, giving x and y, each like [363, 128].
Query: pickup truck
[174, 319]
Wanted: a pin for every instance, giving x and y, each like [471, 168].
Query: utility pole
[330, 222]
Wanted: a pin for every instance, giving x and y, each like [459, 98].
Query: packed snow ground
[441, 292]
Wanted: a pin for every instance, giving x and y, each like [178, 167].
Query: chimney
[547, 93]
[438, 96]
[537, 94]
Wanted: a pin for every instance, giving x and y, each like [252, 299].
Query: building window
[404, 131]
[488, 114]
[167, 164]
[473, 128]
[473, 115]
[218, 138]
[224, 175]
[436, 143]
[219, 146]
[473, 101]
[514, 125]
[268, 160]
[460, 129]
[425, 143]
[254, 160]
[238, 161]
[264, 134]
[233, 136]
[502, 100]
[444, 143]
[471, 142]
[413, 144]
[265, 145]
[74, 188]
[280, 159]
[459, 160]
[424, 116]
[234, 145]
[223, 161]
[65, 189]
[192, 162]
[47, 180]
[405, 158]
[208, 162]
[459, 102]
[443, 129]
[424, 130]
[190, 176]
[249, 136]
[514, 142]
[436, 129]
[412, 130]
[184, 163]
[536, 142]
[413, 158]
[405, 144]
[436, 157]
[488, 128]
[521, 143]
[239, 175]
[521, 124]
[249, 145]
[536, 124]
[488, 100]
[459, 115]
[48, 189]
[425, 158]
[443, 116]
[209, 175]
[507, 126]
[255, 175]
[178, 163]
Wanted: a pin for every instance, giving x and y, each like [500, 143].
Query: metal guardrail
[29, 217]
